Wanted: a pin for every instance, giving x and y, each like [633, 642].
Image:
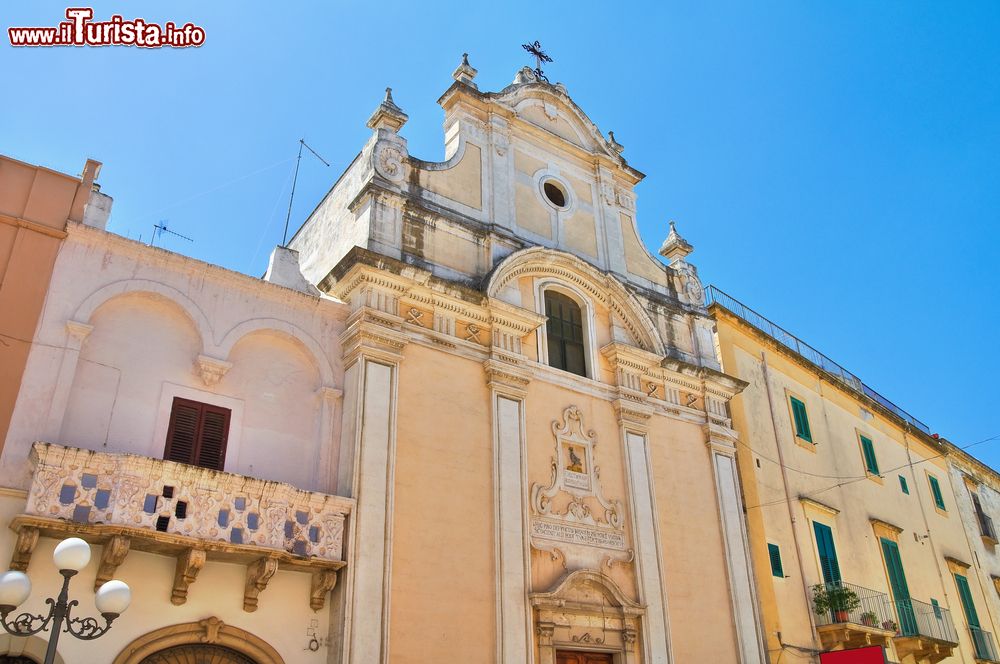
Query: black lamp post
[71, 556]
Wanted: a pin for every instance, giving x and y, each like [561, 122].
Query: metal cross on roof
[535, 49]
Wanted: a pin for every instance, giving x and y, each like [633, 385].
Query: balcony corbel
[189, 563]
[323, 581]
[258, 575]
[27, 540]
[112, 556]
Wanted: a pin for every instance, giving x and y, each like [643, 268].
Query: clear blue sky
[835, 164]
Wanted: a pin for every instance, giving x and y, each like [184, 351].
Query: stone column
[368, 441]
[721, 444]
[513, 620]
[633, 418]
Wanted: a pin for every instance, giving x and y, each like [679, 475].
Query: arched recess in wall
[32, 648]
[600, 287]
[284, 329]
[210, 631]
[154, 289]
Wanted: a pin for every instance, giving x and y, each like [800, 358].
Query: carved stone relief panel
[571, 517]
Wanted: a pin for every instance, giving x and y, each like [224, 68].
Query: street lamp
[71, 556]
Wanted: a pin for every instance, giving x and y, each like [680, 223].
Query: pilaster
[508, 384]
[721, 442]
[76, 334]
[372, 346]
[634, 410]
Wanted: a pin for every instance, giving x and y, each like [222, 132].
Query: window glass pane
[564, 331]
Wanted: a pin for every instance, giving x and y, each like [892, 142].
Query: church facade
[535, 424]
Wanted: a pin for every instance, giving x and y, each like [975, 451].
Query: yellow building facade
[861, 526]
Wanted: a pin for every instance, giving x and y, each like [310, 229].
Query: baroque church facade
[535, 422]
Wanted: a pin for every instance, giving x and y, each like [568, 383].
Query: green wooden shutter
[902, 485]
[827, 553]
[871, 463]
[936, 490]
[774, 553]
[900, 591]
[971, 616]
[801, 420]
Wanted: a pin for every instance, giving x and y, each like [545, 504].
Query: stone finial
[616, 146]
[388, 115]
[525, 75]
[465, 72]
[675, 248]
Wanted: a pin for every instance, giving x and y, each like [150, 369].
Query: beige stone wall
[443, 589]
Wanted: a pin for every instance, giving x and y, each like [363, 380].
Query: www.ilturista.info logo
[80, 30]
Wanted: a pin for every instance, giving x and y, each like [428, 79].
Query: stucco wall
[153, 314]
[831, 475]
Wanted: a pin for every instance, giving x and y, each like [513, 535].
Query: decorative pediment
[551, 109]
[600, 287]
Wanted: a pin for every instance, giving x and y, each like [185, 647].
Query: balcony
[851, 616]
[126, 502]
[989, 534]
[982, 642]
[925, 631]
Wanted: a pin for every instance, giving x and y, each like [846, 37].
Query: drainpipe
[788, 497]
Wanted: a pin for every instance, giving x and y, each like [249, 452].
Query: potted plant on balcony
[835, 599]
[869, 619]
[890, 625]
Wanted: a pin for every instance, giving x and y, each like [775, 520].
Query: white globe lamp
[71, 554]
[14, 588]
[113, 597]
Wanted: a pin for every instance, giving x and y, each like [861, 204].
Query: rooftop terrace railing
[793, 343]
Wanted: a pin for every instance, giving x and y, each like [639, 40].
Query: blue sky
[835, 164]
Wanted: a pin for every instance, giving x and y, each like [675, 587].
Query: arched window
[564, 331]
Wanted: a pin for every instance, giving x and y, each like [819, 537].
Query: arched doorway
[197, 653]
[208, 641]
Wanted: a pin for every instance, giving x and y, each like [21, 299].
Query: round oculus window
[554, 193]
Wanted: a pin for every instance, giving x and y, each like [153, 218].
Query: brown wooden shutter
[214, 433]
[197, 434]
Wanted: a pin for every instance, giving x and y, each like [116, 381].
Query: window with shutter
[197, 434]
[564, 334]
[936, 491]
[801, 420]
[868, 451]
[968, 606]
[774, 553]
[828, 562]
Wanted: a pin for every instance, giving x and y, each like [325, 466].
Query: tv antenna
[160, 228]
[302, 144]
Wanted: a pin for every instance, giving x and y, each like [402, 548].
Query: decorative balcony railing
[922, 619]
[162, 496]
[848, 603]
[983, 644]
